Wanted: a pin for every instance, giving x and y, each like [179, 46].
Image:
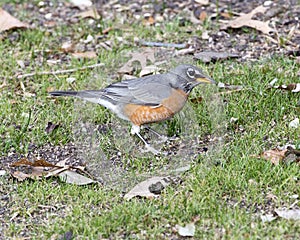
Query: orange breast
[140, 114]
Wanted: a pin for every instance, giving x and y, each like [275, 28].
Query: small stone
[89, 38]
[48, 16]
[41, 3]
[268, 3]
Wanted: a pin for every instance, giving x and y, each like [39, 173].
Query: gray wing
[148, 90]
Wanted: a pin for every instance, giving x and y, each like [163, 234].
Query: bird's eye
[191, 73]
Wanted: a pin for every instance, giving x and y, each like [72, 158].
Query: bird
[148, 99]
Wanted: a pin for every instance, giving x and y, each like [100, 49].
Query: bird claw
[149, 148]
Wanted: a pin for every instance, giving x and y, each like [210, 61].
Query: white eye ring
[190, 72]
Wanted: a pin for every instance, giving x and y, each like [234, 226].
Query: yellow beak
[205, 80]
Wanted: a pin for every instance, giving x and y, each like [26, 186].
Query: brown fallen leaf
[36, 163]
[140, 57]
[39, 168]
[275, 156]
[91, 13]
[8, 22]
[246, 20]
[20, 176]
[88, 54]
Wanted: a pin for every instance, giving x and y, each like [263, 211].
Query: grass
[228, 198]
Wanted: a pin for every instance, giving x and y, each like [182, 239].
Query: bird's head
[189, 76]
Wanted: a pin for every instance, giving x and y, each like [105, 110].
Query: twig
[59, 71]
[160, 44]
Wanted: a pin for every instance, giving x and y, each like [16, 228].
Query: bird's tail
[64, 93]
[94, 96]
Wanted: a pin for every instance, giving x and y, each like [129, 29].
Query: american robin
[147, 99]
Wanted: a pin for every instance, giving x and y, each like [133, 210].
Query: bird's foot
[149, 148]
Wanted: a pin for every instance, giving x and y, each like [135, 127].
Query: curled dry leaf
[8, 22]
[65, 172]
[275, 156]
[148, 188]
[246, 20]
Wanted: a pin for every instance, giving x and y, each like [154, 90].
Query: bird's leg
[136, 130]
[162, 137]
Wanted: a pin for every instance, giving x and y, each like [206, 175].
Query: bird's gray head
[188, 76]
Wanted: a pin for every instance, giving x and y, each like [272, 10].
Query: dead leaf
[8, 22]
[20, 176]
[88, 55]
[275, 156]
[208, 56]
[246, 20]
[151, 69]
[148, 188]
[91, 13]
[36, 163]
[292, 214]
[140, 57]
[38, 169]
[73, 177]
[186, 231]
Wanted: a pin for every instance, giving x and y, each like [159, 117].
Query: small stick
[160, 44]
[60, 71]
